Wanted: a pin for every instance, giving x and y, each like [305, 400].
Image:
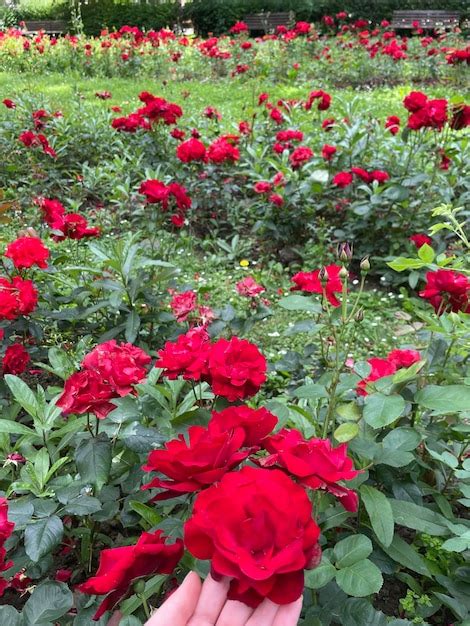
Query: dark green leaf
[93, 458]
[42, 536]
[352, 549]
[380, 513]
[49, 602]
[381, 410]
[360, 579]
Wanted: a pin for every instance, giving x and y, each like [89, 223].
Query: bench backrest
[268, 21]
[49, 26]
[426, 19]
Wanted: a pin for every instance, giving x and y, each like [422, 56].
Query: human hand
[197, 604]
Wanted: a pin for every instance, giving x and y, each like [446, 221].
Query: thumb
[180, 605]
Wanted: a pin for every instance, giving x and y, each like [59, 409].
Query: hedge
[111, 14]
[218, 15]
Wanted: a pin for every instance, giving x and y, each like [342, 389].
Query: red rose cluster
[26, 252]
[426, 113]
[157, 192]
[156, 110]
[235, 368]
[447, 290]
[65, 225]
[18, 296]
[395, 360]
[109, 371]
[344, 179]
[6, 529]
[185, 307]
[31, 139]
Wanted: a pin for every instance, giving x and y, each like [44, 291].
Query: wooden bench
[268, 22]
[426, 19]
[50, 27]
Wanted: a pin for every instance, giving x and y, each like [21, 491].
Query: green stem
[145, 605]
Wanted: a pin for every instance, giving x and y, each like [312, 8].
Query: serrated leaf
[321, 575]
[49, 602]
[419, 518]
[444, 398]
[22, 394]
[346, 432]
[360, 579]
[380, 513]
[42, 536]
[93, 458]
[15, 428]
[381, 410]
[299, 303]
[352, 549]
[406, 556]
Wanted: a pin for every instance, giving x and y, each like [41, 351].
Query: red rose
[403, 358]
[191, 150]
[328, 124]
[15, 360]
[256, 526]
[52, 210]
[155, 192]
[379, 176]
[310, 282]
[276, 199]
[195, 465]
[256, 423]
[447, 290]
[86, 392]
[73, 226]
[300, 155]
[249, 288]
[17, 297]
[63, 575]
[289, 135]
[420, 239]
[379, 369]
[26, 252]
[328, 152]
[182, 304]
[237, 369]
[323, 98]
[120, 365]
[361, 173]
[393, 124]
[342, 179]
[9, 103]
[437, 113]
[460, 115]
[418, 120]
[6, 529]
[131, 123]
[221, 150]
[187, 356]
[314, 463]
[262, 187]
[415, 101]
[119, 567]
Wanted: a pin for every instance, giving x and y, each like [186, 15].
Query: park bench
[267, 22]
[426, 19]
[50, 27]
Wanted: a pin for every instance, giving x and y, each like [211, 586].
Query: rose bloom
[256, 423]
[52, 210]
[361, 173]
[415, 101]
[323, 98]
[289, 135]
[393, 124]
[403, 358]
[237, 369]
[26, 252]
[300, 155]
[120, 567]
[15, 360]
[328, 152]
[17, 297]
[313, 463]
[249, 288]
[379, 176]
[187, 356]
[87, 392]
[420, 239]
[191, 150]
[121, 365]
[379, 369]
[196, 464]
[6, 530]
[310, 282]
[446, 291]
[74, 226]
[182, 304]
[221, 151]
[342, 179]
[262, 187]
[256, 527]
[276, 199]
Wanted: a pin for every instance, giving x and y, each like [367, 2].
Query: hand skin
[205, 604]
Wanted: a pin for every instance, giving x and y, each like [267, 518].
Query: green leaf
[321, 575]
[419, 518]
[426, 253]
[444, 399]
[380, 513]
[22, 394]
[147, 513]
[405, 439]
[93, 457]
[299, 303]
[49, 602]
[9, 616]
[311, 392]
[406, 556]
[400, 264]
[360, 579]
[132, 326]
[130, 620]
[349, 411]
[407, 373]
[381, 410]
[352, 549]
[15, 428]
[83, 505]
[346, 432]
[42, 536]
[456, 544]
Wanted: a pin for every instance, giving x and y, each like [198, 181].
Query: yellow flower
[244, 263]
